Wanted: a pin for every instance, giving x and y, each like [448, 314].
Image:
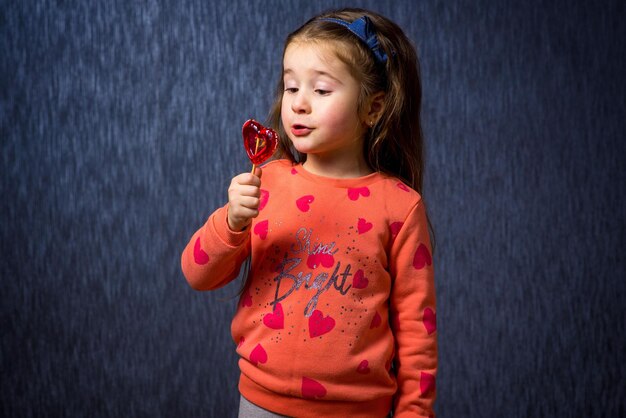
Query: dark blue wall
[120, 127]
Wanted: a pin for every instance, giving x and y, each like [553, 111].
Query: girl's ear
[373, 109]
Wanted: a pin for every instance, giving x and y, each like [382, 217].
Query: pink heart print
[394, 229]
[318, 325]
[363, 367]
[403, 186]
[363, 226]
[258, 355]
[427, 383]
[276, 319]
[199, 255]
[312, 389]
[430, 320]
[314, 260]
[359, 281]
[376, 321]
[261, 229]
[354, 193]
[265, 195]
[304, 203]
[422, 257]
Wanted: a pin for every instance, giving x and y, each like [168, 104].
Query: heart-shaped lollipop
[260, 142]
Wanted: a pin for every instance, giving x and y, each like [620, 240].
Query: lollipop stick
[256, 149]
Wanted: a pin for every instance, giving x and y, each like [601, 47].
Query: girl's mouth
[300, 130]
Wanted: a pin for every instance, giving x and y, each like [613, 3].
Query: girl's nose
[300, 103]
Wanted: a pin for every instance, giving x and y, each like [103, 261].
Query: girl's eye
[322, 92]
[291, 89]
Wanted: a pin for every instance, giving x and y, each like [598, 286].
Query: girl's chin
[301, 146]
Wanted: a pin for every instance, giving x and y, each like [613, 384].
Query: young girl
[337, 316]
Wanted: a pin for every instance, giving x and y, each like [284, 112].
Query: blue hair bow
[363, 28]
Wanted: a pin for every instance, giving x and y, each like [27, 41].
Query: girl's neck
[336, 169]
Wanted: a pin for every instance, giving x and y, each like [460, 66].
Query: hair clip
[363, 28]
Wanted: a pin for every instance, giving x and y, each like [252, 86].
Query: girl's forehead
[307, 53]
[320, 48]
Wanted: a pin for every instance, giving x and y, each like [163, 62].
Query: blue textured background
[120, 127]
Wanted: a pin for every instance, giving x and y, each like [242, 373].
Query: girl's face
[320, 105]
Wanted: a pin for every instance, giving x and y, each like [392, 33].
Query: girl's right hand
[244, 195]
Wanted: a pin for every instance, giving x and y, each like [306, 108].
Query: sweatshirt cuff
[219, 223]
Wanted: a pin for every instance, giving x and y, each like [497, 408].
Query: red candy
[260, 142]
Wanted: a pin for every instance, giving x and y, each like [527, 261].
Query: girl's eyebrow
[289, 71]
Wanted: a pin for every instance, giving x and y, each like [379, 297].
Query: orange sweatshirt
[341, 288]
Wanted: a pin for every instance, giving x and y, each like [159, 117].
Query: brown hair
[394, 145]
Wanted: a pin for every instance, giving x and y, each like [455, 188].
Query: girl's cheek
[285, 121]
[283, 113]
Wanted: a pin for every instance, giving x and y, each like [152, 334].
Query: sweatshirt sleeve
[214, 255]
[413, 317]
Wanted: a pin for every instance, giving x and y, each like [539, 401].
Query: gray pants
[249, 410]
